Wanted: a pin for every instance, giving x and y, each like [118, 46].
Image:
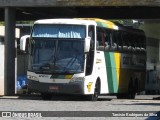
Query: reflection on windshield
[59, 56]
[58, 31]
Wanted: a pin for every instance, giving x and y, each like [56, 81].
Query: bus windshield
[57, 56]
[58, 31]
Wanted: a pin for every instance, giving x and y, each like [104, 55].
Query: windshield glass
[57, 55]
[58, 31]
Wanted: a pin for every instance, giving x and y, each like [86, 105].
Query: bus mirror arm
[87, 44]
[23, 42]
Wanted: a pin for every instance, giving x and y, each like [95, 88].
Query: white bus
[87, 57]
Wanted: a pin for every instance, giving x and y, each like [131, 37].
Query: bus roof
[102, 23]
[65, 21]
[80, 21]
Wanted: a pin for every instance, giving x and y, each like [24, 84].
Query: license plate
[53, 87]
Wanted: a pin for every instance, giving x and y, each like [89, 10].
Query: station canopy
[105, 9]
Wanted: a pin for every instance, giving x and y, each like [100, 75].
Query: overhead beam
[68, 3]
[92, 12]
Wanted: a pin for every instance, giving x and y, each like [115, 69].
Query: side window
[143, 44]
[139, 41]
[107, 39]
[125, 38]
[100, 39]
[118, 37]
[114, 40]
[91, 33]
[120, 41]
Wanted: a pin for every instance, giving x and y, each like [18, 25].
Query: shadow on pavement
[65, 97]
[156, 98]
[56, 97]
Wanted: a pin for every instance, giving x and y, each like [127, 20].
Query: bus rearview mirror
[23, 42]
[87, 44]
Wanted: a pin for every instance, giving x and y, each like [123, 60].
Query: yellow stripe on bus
[108, 23]
[117, 62]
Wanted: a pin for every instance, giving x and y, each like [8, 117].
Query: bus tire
[46, 96]
[120, 96]
[131, 96]
[131, 92]
[126, 96]
[94, 97]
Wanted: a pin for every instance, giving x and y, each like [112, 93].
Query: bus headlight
[32, 78]
[77, 79]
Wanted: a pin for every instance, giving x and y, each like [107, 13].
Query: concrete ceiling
[123, 12]
[77, 3]
[107, 9]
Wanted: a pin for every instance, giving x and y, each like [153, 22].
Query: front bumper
[63, 88]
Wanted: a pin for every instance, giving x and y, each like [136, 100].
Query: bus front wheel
[94, 97]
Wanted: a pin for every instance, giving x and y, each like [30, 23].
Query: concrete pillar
[159, 50]
[9, 65]
[159, 47]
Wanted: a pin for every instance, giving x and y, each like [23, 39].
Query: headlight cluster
[77, 79]
[32, 78]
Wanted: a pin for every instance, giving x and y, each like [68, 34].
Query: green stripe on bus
[111, 72]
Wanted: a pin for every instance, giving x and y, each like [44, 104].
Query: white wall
[1, 69]
[2, 34]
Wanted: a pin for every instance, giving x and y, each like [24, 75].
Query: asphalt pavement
[62, 107]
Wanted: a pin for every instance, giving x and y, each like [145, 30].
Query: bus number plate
[54, 88]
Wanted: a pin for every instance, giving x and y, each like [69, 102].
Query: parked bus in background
[87, 57]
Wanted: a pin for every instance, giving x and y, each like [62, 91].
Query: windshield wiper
[45, 67]
[70, 62]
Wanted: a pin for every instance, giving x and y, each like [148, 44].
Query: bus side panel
[100, 71]
[125, 75]
[132, 73]
[138, 80]
[121, 76]
[113, 70]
